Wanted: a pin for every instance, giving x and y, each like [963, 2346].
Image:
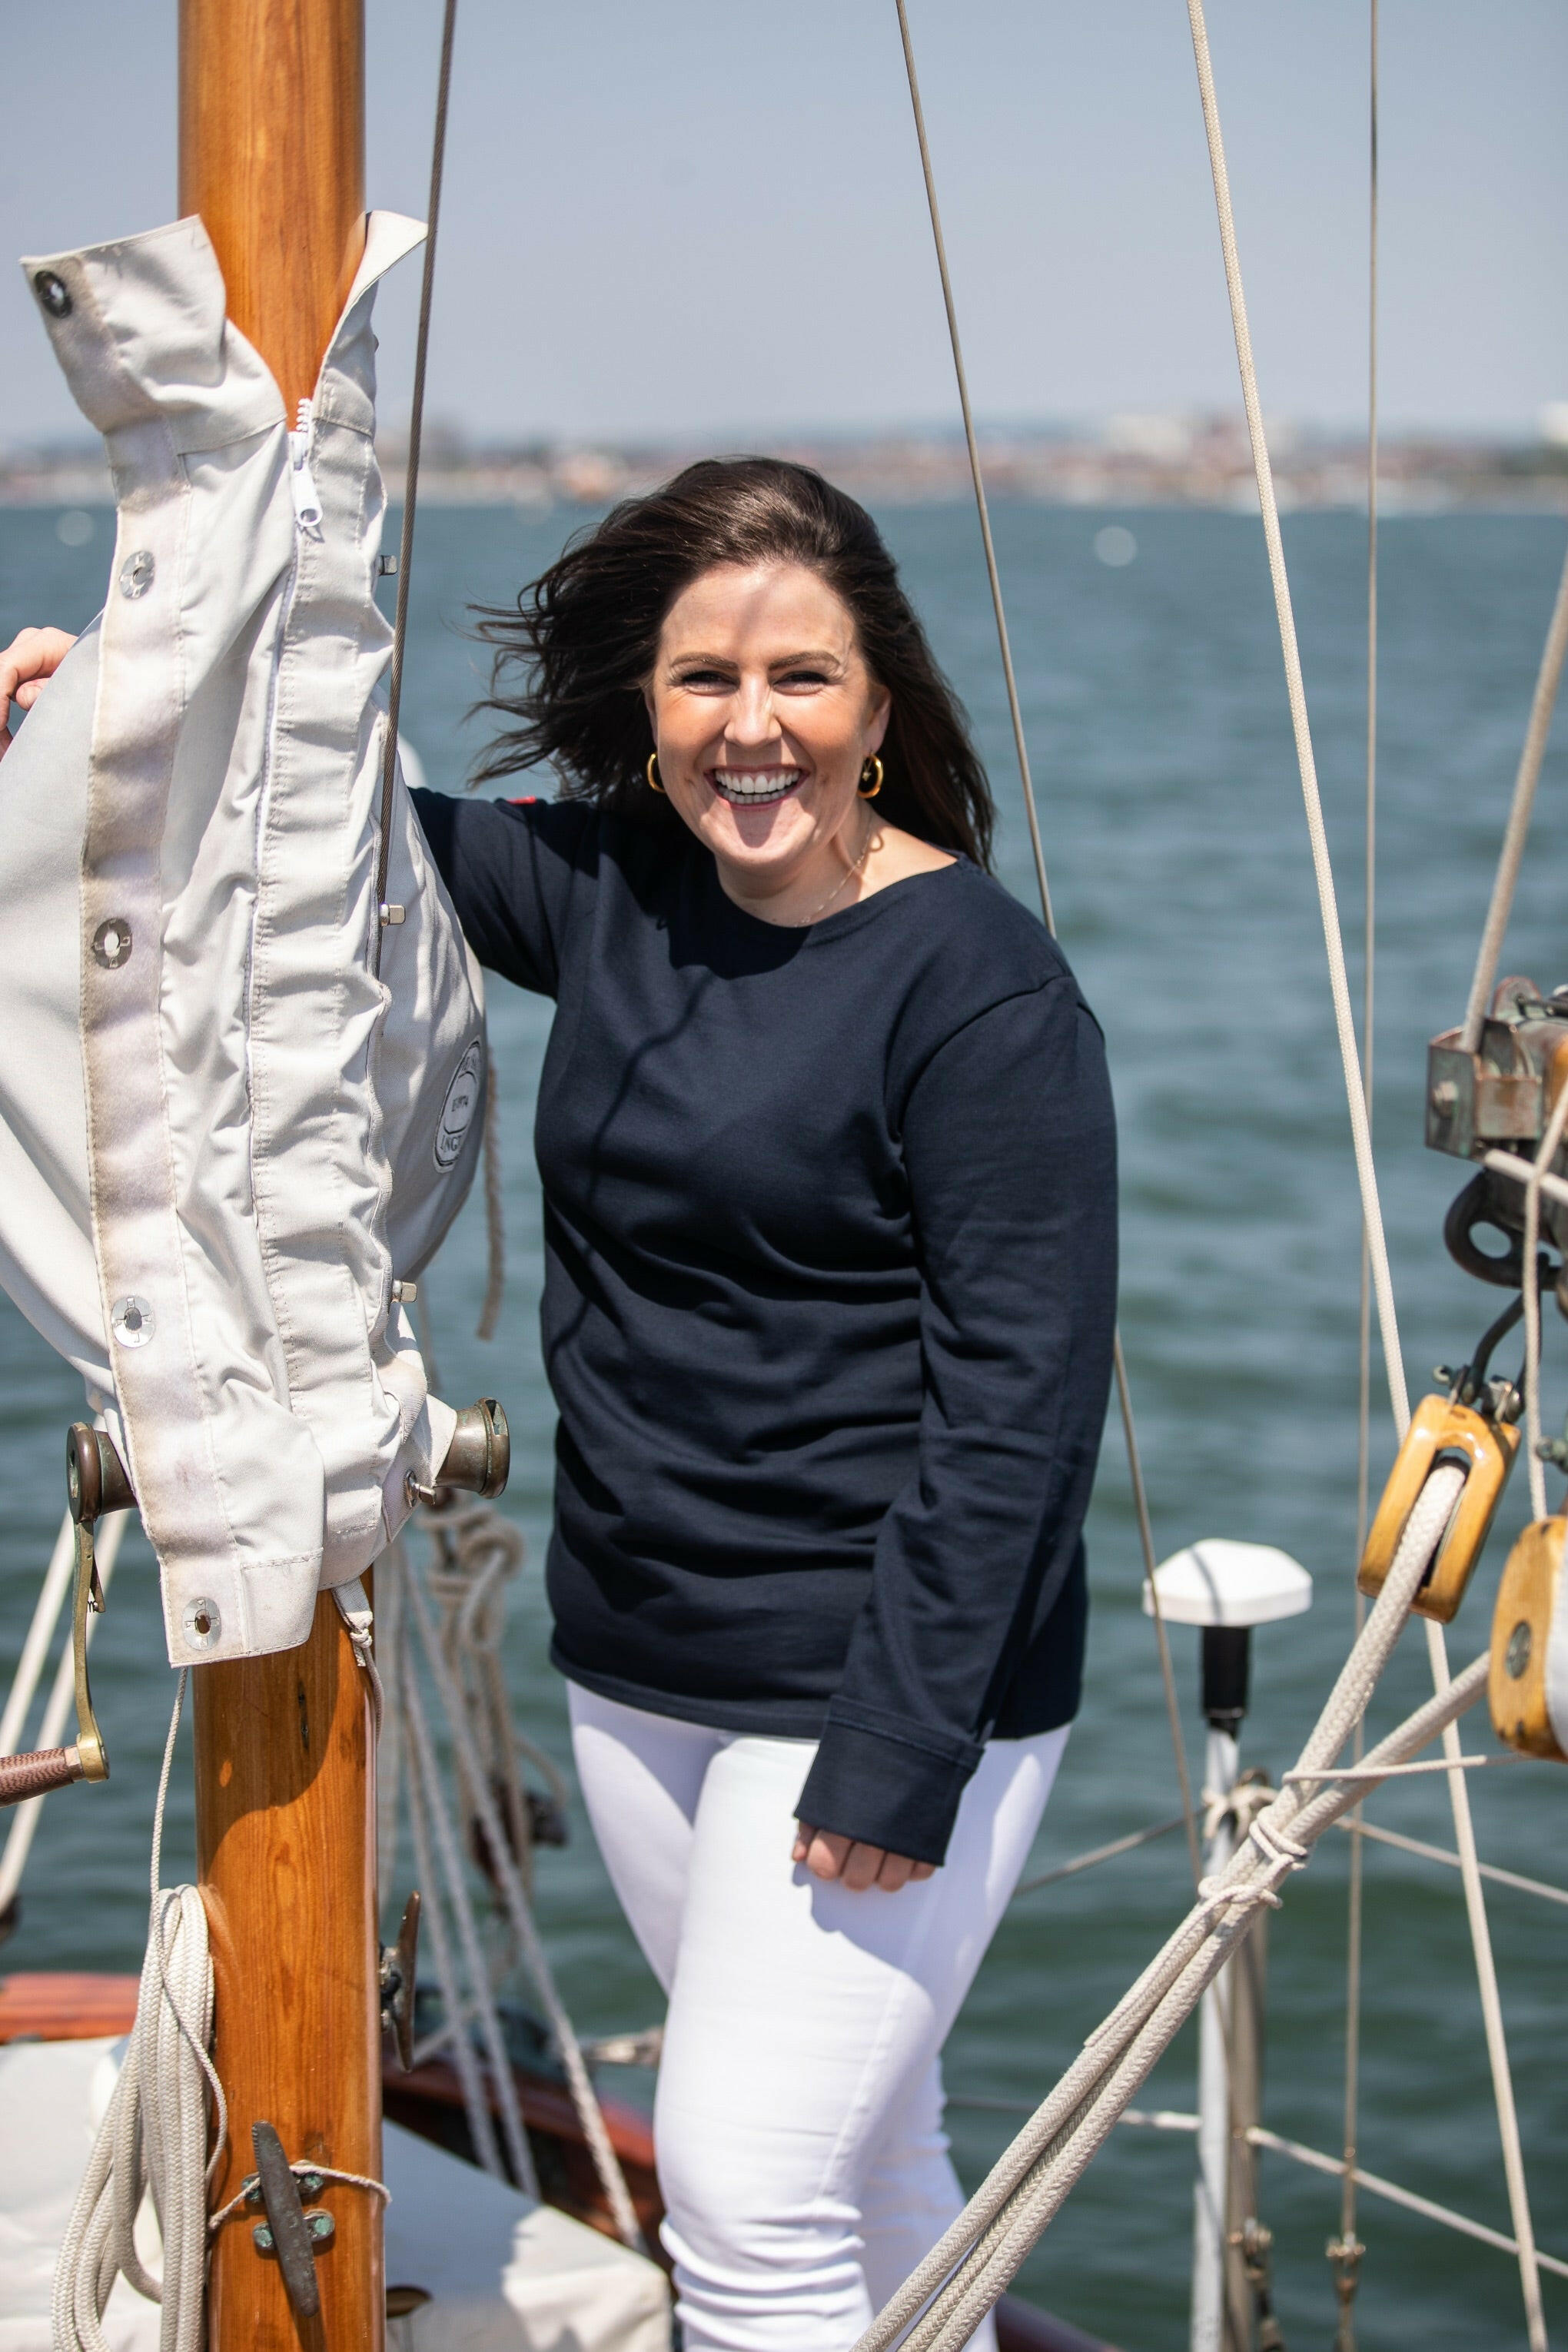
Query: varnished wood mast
[272, 157]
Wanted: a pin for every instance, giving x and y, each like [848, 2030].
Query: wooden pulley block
[1441, 1431]
[1528, 1685]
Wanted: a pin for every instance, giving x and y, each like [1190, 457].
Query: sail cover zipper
[307, 504]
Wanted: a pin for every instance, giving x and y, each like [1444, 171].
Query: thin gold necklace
[848, 876]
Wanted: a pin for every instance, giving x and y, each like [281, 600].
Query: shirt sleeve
[512, 869]
[1009, 1143]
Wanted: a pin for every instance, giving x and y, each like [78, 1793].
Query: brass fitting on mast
[96, 1483]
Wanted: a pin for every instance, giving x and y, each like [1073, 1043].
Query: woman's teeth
[748, 786]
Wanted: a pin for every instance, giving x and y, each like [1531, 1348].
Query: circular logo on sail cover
[457, 1110]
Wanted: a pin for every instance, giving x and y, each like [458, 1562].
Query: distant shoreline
[1131, 462]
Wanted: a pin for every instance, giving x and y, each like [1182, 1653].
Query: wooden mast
[272, 157]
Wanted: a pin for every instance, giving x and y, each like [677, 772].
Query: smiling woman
[829, 1181]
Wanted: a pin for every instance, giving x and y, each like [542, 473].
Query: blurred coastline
[1132, 460]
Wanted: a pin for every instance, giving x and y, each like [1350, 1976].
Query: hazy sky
[705, 216]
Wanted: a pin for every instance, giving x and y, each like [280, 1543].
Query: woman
[828, 1166]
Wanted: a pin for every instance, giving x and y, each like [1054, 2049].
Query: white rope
[1013, 2206]
[1437, 1648]
[1339, 982]
[948, 2295]
[1505, 1163]
[61, 1700]
[304, 2169]
[434, 1935]
[1349, 1772]
[1345, 2253]
[432, 1804]
[1492, 2010]
[521, 1918]
[354, 1608]
[1521, 809]
[153, 2135]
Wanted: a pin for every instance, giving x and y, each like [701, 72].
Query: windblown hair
[570, 661]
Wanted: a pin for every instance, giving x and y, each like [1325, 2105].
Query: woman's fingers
[857, 1866]
[823, 1852]
[32, 656]
[862, 1868]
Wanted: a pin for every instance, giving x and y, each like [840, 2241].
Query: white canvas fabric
[222, 1138]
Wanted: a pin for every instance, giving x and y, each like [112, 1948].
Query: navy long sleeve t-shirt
[830, 1273]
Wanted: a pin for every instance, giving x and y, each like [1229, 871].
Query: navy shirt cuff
[888, 1782]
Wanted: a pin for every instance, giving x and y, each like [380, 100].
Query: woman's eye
[703, 678]
[804, 678]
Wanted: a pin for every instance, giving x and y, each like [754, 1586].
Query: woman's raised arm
[27, 664]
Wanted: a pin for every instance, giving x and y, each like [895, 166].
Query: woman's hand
[857, 1866]
[27, 663]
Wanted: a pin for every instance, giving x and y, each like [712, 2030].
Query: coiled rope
[154, 2133]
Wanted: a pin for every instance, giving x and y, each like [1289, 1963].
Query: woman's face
[764, 713]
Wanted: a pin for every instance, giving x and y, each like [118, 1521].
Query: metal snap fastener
[53, 293]
[134, 1322]
[1516, 1657]
[202, 1623]
[136, 573]
[111, 943]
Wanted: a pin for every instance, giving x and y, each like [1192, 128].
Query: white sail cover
[222, 1137]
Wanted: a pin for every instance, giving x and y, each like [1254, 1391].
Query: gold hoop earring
[871, 767]
[653, 782]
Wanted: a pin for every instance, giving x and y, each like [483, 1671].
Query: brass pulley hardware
[478, 1459]
[96, 1483]
[1442, 1430]
[1521, 1685]
[1500, 1098]
[1473, 1425]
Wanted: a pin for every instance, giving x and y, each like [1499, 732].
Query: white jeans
[798, 2123]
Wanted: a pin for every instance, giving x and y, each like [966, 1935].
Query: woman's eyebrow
[727, 661]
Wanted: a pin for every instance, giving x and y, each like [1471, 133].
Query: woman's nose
[751, 720]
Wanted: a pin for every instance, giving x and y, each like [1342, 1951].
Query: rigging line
[1437, 1648]
[1346, 2252]
[1517, 832]
[1031, 811]
[997, 607]
[1098, 1853]
[1444, 2214]
[1361, 1828]
[1163, 1639]
[1339, 982]
[411, 478]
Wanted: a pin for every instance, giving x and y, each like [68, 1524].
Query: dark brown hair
[571, 659]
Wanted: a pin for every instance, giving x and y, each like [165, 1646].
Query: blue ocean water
[1157, 724]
